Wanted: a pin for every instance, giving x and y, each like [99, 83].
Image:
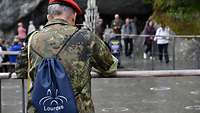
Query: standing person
[115, 47]
[5, 57]
[16, 46]
[21, 32]
[99, 30]
[1, 60]
[31, 27]
[149, 30]
[128, 29]
[117, 24]
[162, 38]
[84, 51]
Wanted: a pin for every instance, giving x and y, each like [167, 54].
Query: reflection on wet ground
[133, 95]
[147, 95]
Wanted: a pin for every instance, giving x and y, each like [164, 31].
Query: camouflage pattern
[22, 62]
[84, 51]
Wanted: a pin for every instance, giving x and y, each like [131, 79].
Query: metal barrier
[118, 74]
[8, 76]
[13, 76]
[175, 61]
[9, 53]
[161, 73]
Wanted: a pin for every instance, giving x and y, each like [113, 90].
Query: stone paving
[133, 95]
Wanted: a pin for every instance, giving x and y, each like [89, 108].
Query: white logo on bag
[53, 104]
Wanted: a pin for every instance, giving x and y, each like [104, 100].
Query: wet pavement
[133, 95]
[147, 95]
[11, 95]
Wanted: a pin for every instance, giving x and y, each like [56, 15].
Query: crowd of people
[126, 31]
[121, 32]
[61, 50]
[13, 45]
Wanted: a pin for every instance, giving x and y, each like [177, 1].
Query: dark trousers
[149, 48]
[163, 49]
[128, 42]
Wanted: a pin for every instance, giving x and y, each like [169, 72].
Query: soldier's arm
[102, 59]
[22, 63]
[22, 60]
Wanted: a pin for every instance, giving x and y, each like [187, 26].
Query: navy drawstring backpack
[52, 89]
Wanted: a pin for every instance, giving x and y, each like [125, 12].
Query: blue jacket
[14, 47]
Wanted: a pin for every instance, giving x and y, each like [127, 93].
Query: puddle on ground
[197, 92]
[154, 101]
[115, 109]
[191, 82]
[177, 83]
[160, 88]
[195, 107]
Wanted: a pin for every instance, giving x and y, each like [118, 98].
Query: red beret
[71, 3]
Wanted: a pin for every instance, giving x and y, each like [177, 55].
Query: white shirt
[162, 35]
[31, 28]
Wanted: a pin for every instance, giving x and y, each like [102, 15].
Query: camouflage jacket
[84, 51]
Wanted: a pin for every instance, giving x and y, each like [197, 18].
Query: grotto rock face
[12, 10]
[125, 7]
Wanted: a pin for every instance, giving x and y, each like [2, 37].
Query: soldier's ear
[75, 15]
[49, 17]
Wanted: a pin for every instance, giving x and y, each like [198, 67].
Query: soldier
[84, 51]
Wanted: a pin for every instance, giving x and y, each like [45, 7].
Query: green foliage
[148, 1]
[183, 16]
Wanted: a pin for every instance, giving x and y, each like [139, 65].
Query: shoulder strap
[60, 48]
[66, 42]
[29, 42]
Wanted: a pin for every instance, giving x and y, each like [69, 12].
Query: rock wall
[13, 11]
[123, 7]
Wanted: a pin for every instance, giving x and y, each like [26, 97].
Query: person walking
[162, 38]
[83, 51]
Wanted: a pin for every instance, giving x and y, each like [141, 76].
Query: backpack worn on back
[114, 44]
[52, 91]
